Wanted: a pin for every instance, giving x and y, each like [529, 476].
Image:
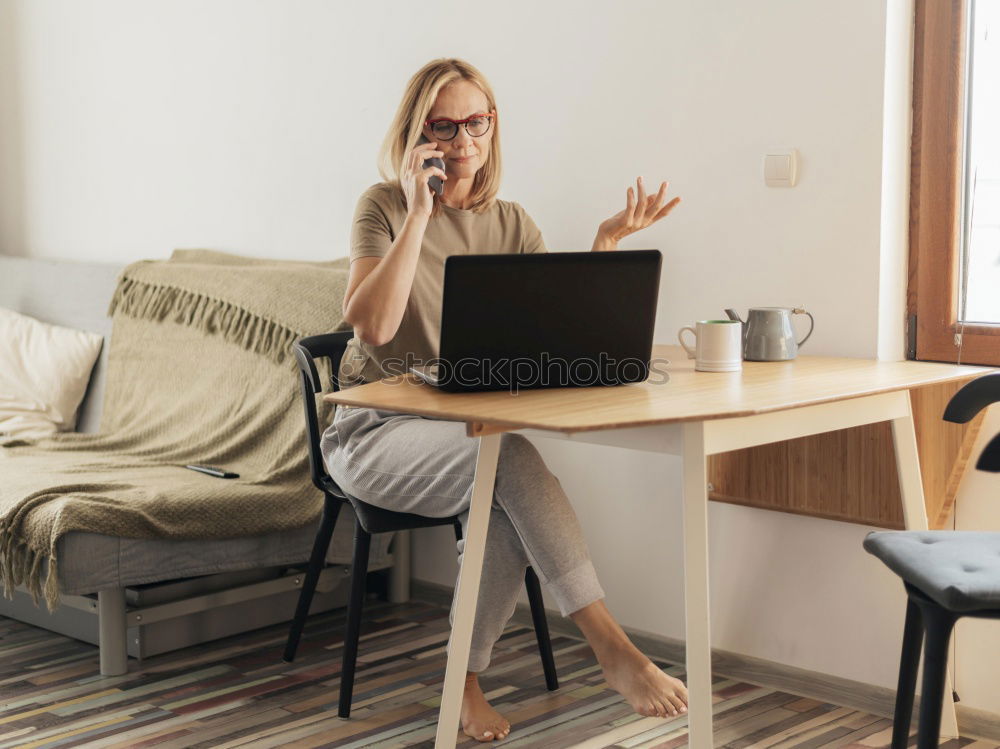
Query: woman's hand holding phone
[416, 178]
[434, 181]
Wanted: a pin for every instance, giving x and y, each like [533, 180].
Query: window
[980, 261]
[954, 285]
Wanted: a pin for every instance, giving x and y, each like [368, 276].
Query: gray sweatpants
[426, 466]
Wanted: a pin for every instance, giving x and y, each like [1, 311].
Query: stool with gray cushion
[947, 575]
[368, 520]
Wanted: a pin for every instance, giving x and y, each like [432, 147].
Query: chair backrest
[972, 398]
[307, 350]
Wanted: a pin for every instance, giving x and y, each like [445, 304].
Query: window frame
[937, 159]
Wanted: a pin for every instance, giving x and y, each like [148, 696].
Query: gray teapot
[768, 334]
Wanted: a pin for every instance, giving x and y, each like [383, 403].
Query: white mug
[718, 345]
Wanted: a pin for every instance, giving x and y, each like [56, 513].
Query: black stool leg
[913, 635]
[359, 571]
[938, 623]
[331, 508]
[541, 628]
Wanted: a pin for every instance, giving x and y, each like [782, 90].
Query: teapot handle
[812, 324]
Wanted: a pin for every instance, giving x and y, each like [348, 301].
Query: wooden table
[686, 413]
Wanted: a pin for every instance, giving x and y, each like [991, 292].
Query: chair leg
[938, 623]
[359, 571]
[541, 628]
[538, 619]
[913, 635]
[331, 508]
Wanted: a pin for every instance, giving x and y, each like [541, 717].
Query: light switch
[781, 168]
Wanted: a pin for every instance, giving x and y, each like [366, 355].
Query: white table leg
[696, 600]
[467, 592]
[911, 488]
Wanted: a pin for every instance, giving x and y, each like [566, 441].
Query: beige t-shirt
[378, 218]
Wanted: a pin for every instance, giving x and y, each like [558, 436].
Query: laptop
[559, 319]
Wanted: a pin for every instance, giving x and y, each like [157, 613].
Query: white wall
[128, 129]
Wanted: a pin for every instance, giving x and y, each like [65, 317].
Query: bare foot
[479, 720]
[648, 690]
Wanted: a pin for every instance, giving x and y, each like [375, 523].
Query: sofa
[137, 597]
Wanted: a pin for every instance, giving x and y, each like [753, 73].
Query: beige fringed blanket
[199, 371]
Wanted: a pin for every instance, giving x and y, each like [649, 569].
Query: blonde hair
[407, 127]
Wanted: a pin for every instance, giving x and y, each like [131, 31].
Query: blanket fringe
[160, 302]
[21, 564]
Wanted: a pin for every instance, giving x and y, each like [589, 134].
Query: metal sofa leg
[399, 573]
[111, 621]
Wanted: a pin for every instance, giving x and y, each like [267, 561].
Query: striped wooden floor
[238, 692]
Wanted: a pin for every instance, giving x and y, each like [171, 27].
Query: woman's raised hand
[639, 212]
[419, 195]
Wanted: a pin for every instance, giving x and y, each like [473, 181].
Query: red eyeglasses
[445, 129]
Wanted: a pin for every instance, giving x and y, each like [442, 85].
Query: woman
[402, 233]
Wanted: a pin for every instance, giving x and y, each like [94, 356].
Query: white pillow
[44, 371]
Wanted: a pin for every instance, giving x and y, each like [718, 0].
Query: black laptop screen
[568, 306]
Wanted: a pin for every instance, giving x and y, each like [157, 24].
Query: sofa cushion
[71, 294]
[44, 371]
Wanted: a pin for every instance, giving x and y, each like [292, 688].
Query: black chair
[367, 520]
[947, 575]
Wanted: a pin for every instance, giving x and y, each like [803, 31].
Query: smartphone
[434, 181]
